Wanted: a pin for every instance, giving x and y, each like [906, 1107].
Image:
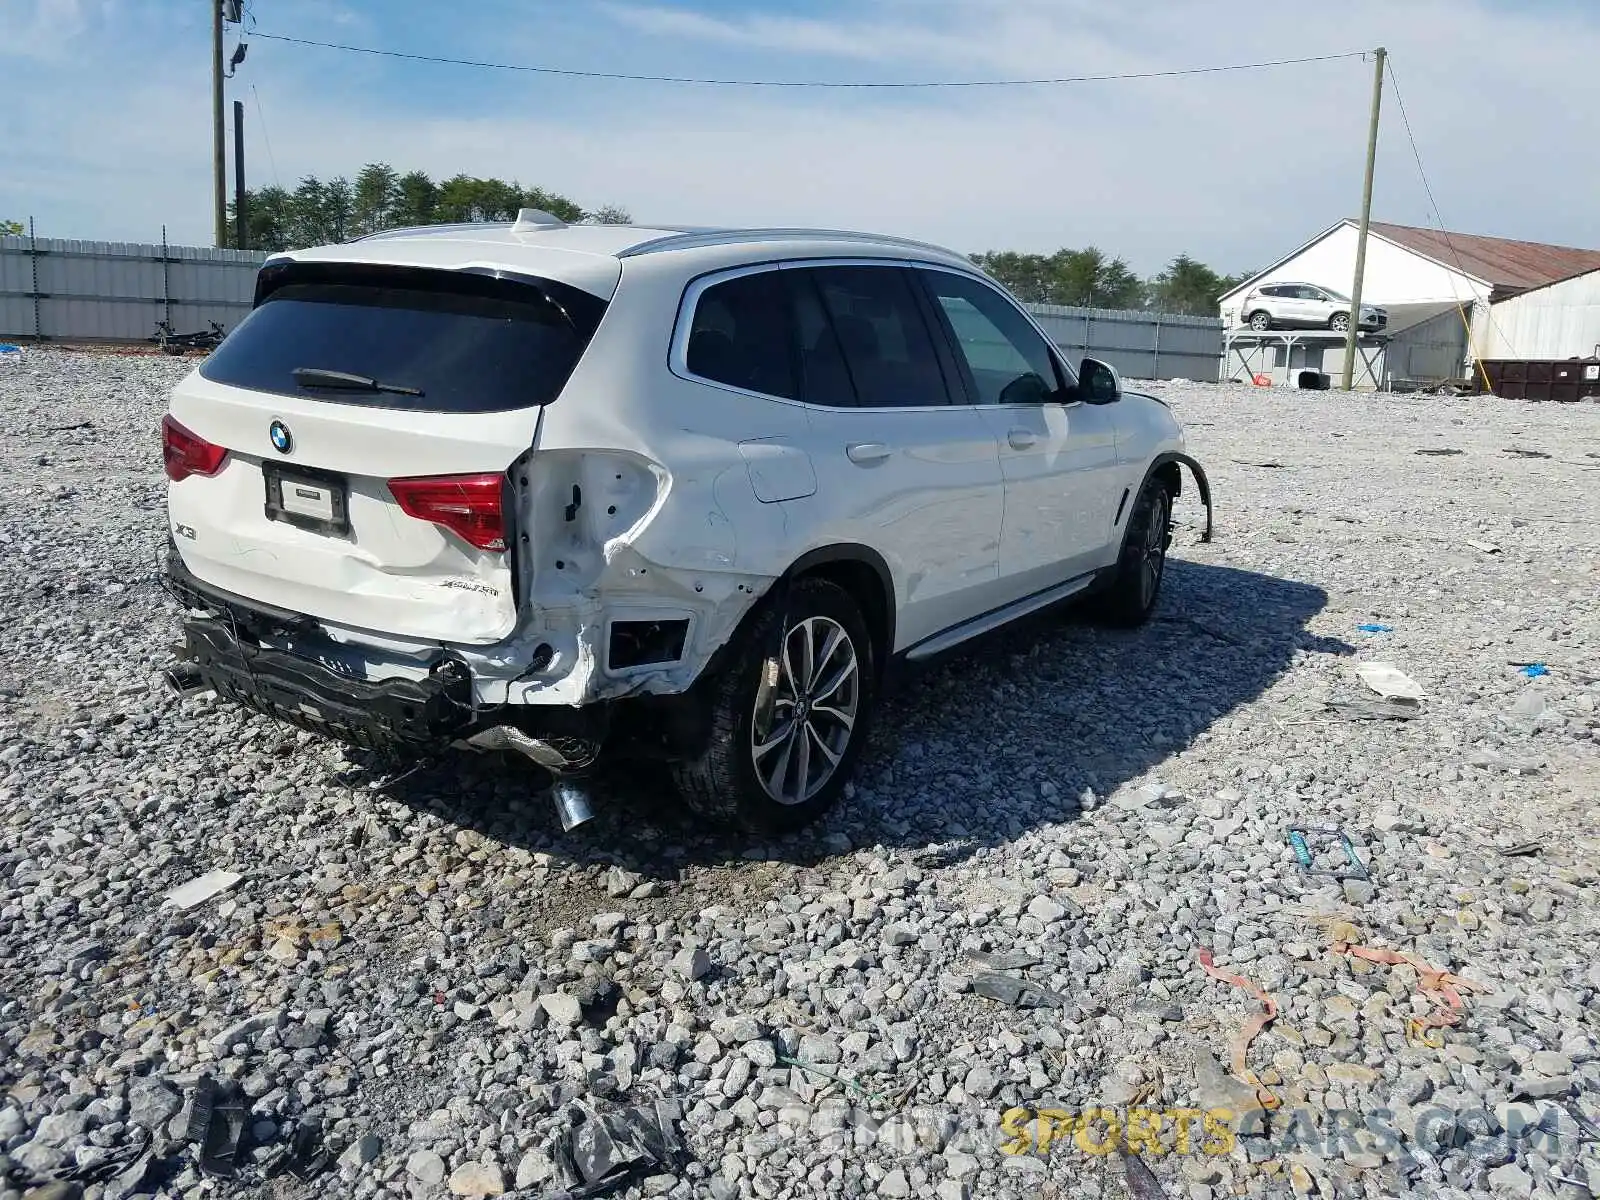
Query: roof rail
[409, 230]
[719, 237]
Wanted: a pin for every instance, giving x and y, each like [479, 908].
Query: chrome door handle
[866, 452]
[1022, 439]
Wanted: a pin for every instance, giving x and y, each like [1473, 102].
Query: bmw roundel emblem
[282, 439]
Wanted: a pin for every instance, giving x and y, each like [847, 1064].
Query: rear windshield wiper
[318, 377]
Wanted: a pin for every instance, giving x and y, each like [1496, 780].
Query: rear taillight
[186, 453]
[467, 505]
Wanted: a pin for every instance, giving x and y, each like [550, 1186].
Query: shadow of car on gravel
[970, 751]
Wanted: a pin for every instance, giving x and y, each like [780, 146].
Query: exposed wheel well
[866, 583]
[1170, 476]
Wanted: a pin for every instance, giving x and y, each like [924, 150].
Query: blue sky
[107, 107]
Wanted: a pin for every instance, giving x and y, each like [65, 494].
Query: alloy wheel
[805, 710]
[1153, 550]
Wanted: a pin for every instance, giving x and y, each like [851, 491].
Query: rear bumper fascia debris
[374, 715]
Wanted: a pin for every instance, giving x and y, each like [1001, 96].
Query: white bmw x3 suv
[684, 492]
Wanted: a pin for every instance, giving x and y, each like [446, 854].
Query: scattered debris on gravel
[234, 956]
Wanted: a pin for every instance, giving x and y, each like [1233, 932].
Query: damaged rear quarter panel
[604, 527]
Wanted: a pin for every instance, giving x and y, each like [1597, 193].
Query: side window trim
[959, 387]
[1066, 377]
[807, 279]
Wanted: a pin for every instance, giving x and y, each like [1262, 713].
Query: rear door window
[743, 336]
[878, 326]
[443, 341]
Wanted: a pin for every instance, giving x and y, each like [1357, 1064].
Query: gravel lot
[428, 972]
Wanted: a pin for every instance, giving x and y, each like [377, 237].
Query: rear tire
[788, 715]
[1130, 597]
[1261, 321]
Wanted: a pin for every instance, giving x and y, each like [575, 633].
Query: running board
[950, 638]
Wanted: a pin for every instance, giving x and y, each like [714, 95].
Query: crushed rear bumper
[224, 646]
[374, 714]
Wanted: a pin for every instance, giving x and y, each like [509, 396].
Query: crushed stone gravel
[430, 976]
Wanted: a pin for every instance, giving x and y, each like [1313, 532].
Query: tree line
[320, 211]
[1089, 279]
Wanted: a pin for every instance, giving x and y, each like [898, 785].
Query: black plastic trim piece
[1200, 482]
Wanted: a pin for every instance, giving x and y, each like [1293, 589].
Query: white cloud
[41, 29]
[1234, 168]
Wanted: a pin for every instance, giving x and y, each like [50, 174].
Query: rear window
[455, 342]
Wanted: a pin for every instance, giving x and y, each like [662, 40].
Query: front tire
[1339, 322]
[1130, 597]
[788, 715]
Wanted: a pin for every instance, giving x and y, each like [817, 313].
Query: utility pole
[219, 152]
[241, 225]
[1354, 331]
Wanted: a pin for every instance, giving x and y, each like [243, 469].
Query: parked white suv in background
[686, 492]
[1305, 306]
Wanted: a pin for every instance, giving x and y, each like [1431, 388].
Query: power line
[264, 138]
[1433, 206]
[806, 83]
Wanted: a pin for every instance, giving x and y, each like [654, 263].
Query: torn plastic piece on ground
[1390, 682]
[1522, 849]
[601, 1153]
[812, 1069]
[1441, 987]
[1015, 991]
[1534, 670]
[1374, 710]
[1588, 1128]
[118, 1161]
[1375, 628]
[216, 1125]
[134, 1181]
[201, 888]
[1142, 1183]
[308, 1153]
[1004, 960]
[1248, 1031]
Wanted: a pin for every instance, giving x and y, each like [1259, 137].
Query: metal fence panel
[70, 290]
[1140, 345]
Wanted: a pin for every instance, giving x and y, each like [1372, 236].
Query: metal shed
[1558, 321]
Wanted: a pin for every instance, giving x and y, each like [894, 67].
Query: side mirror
[1099, 382]
[1026, 389]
